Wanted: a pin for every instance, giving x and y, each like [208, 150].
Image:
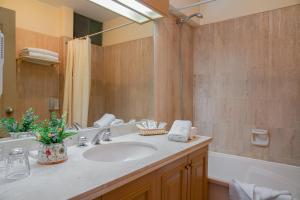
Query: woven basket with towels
[151, 127]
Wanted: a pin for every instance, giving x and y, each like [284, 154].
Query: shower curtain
[78, 81]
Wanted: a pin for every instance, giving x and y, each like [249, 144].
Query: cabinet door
[198, 175]
[140, 189]
[174, 179]
[9, 75]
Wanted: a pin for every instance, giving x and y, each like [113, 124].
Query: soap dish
[148, 132]
[260, 137]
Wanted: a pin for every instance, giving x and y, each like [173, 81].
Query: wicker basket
[147, 132]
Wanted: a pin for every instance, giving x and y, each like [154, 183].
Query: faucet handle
[106, 136]
[82, 141]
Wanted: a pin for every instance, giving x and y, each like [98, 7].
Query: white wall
[221, 10]
[40, 17]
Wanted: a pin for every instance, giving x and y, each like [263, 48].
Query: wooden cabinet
[198, 175]
[174, 180]
[186, 178]
[140, 189]
[183, 179]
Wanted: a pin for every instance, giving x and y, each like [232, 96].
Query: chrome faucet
[102, 135]
[77, 126]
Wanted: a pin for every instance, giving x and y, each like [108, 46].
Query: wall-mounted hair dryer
[1, 61]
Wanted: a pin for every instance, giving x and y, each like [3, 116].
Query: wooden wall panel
[173, 70]
[247, 75]
[36, 83]
[122, 80]
[186, 51]
[129, 79]
[97, 103]
[217, 190]
[63, 46]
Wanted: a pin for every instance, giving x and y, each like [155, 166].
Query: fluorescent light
[139, 7]
[122, 10]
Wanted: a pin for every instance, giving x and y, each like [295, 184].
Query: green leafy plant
[9, 125]
[28, 120]
[53, 130]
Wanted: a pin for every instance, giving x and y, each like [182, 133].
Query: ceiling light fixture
[141, 8]
[122, 10]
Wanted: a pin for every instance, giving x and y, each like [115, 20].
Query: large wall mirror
[121, 59]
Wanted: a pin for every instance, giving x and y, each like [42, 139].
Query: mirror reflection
[46, 70]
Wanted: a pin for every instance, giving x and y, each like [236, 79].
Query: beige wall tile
[247, 75]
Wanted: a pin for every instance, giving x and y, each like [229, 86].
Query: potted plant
[20, 129]
[51, 134]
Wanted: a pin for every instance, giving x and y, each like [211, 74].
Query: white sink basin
[119, 152]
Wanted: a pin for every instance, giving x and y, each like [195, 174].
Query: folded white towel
[41, 51]
[39, 55]
[105, 120]
[132, 121]
[262, 193]
[244, 191]
[180, 131]
[240, 191]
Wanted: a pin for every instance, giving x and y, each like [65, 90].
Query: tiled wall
[173, 70]
[247, 75]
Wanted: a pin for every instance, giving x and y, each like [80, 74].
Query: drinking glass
[17, 165]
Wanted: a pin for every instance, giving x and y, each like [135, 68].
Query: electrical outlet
[53, 103]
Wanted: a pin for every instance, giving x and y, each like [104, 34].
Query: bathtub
[224, 167]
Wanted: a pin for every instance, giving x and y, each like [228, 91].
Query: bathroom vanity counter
[80, 178]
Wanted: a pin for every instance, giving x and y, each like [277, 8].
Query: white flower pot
[52, 153]
[19, 135]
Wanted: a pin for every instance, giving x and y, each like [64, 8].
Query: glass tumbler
[2, 163]
[17, 166]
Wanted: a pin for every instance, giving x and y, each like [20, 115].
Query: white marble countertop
[79, 175]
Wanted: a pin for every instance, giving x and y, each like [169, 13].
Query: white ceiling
[84, 7]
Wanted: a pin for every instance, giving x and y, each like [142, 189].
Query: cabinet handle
[190, 164]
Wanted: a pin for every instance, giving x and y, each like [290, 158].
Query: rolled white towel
[104, 121]
[41, 51]
[117, 122]
[180, 131]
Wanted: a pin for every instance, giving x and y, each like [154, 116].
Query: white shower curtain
[78, 81]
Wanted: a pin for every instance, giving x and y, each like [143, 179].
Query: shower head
[182, 20]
